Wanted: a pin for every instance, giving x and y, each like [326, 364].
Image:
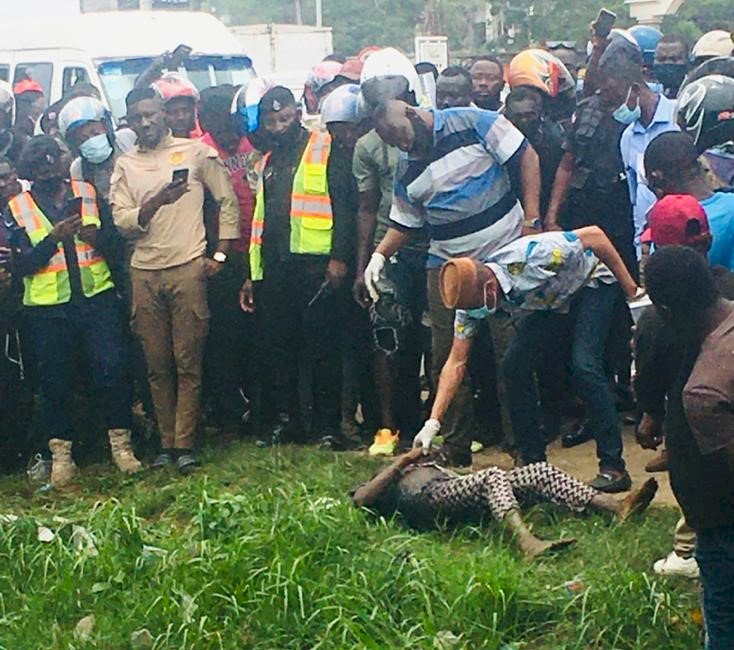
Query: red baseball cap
[27, 86]
[677, 219]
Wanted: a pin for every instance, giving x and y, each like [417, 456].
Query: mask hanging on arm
[97, 149]
[626, 115]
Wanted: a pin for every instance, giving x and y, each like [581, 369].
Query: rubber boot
[122, 452]
[63, 467]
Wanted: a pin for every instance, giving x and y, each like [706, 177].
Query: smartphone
[73, 207]
[604, 22]
[181, 52]
[180, 176]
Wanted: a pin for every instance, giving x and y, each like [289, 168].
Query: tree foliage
[696, 17]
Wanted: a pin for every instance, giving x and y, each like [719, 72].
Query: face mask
[97, 149]
[671, 75]
[489, 307]
[626, 115]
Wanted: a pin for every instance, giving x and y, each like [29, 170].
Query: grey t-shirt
[374, 166]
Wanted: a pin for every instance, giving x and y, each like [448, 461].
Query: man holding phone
[157, 200]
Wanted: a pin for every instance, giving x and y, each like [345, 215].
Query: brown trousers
[170, 316]
[458, 422]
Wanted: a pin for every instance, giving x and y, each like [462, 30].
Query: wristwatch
[220, 257]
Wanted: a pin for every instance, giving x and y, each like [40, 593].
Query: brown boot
[659, 463]
[122, 452]
[63, 467]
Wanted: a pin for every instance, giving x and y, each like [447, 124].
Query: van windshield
[118, 76]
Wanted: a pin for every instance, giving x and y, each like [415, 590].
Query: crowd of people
[401, 253]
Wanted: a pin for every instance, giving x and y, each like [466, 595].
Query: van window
[118, 76]
[40, 72]
[72, 76]
[4, 72]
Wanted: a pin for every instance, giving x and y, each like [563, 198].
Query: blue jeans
[94, 328]
[715, 557]
[538, 336]
[593, 311]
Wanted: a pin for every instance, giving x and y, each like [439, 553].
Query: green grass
[264, 551]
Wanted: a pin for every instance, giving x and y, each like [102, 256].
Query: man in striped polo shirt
[456, 176]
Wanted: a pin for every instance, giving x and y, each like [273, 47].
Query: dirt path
[581, 462]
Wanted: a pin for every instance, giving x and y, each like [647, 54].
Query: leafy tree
[697, 17]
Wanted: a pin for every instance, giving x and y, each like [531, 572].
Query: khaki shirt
[176, 234]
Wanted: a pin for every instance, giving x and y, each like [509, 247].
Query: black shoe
[277, 433]
[612, 482]
[187, 463]
[581, 435]
[453, 456]
[162, 461]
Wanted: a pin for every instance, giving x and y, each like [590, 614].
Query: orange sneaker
[384, 444]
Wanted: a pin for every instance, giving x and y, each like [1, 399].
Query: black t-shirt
[278, 185]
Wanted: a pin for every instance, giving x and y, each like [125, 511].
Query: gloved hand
[372, 274]
[425, 436]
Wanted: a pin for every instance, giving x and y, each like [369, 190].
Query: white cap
[389, 62]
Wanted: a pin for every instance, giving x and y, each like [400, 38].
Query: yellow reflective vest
[51, 285]
[312, 221]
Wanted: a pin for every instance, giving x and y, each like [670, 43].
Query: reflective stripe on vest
[51, 285]
[311, 220]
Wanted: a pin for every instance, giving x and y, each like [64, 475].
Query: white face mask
[96, 149]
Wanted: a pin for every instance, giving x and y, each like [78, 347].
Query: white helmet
[389, 62]
[715, 43]
[342, 105]
[7, 100]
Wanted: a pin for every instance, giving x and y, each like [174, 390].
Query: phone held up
[604, 22]
[73, 207]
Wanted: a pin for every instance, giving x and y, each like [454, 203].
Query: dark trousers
[228, 370]
[715, 557]
[95, 328]
[300, 345]
[588, 324]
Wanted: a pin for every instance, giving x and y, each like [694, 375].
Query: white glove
[425, 436]
[372, 274]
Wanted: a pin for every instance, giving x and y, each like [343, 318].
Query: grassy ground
[263, 551]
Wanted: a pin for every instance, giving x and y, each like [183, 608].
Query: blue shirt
[719, 210]
[463, 191]
[538, 273]
[633, 145]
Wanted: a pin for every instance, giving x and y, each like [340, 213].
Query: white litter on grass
[8, 519]
[141, 639]
[45, 535]
[446, 640]
[84, 628]
[83, 541]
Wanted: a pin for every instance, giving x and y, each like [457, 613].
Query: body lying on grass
[424, 492]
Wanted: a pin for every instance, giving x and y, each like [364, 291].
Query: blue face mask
[97, 149]
[626, 115]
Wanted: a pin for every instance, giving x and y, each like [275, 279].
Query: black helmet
[723, 65]
[706, 111]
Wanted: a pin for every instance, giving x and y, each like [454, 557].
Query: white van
[110, 49]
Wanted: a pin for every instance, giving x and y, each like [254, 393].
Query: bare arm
[452, 374]
[559, 193]
[594, 238]
[369, 204]
[368, 493]
[530, 178]
[392, 242]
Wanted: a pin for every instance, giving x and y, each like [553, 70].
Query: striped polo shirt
[462, 192]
